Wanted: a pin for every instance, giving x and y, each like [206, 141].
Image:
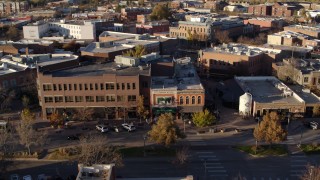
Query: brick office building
[237, 59]
[105, 87]
[260, 10]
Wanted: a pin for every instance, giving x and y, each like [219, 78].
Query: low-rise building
[10, 7]
[216, 5]
[266, 23]
[26, 47]
[285, 9]
[85, 30]
[235, 8]
[237, 59]
[181, 94]
[260, 9]
[307, 30]
[153, 27]
[289, 38]
[130, 13]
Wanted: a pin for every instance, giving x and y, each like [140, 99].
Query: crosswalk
[290, 140]
[196, 142]
[212, 165]
[298, 165]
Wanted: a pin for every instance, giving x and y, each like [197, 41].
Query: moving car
[102, 128]
[314, 125]
[128, 127]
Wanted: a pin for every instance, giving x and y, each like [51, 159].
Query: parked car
[73, 137]
[128, 127]
[314, 125]
[102, 128]
[115, 129]
[42, 177]
[27, 177]
[14, 177]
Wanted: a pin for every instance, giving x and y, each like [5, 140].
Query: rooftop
[100, 70]
[305, 94]
[290, 34]
[306, 65]
[95, 172]
[236, 49]
[296, 26]
[268, 89]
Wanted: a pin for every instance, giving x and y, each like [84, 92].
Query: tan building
[237, 59]
[10, 7]
[181, 95]
[111, 89]
[307, 30]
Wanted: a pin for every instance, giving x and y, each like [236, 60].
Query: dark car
[73, 137]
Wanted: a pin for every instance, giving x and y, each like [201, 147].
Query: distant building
[307, 30]
[235, 8]
[289, 38]
[85, 30]
[10, 7]
[26, 47]
[130, 13]
[260, 10]
[216, 5]
[153, 27]
[283, 9]
[237, 59]
[266, 23]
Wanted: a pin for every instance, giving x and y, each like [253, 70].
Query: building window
[48, 99]
[91, 86]
[101, 86]
[109, 86]
[120, 98]
[133, 85]
[100, 99]
[64, 87]
[96, 86]
[89, 99]
[128, 86]
[199, 99]
[145, 84]
[54, 87]
[123, 86]
[68, 99]
[75, 87]
[306, 79]
[60, 87]
[85, 86]
[118, 86]
[79, 98]
[111, 99]
[181, 100]
[193, 100]
[132, 98]
[187, 100]
[80, 87]
[46, 87]
[70, 87]
[58, 99]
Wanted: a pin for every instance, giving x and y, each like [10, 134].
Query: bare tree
[312, 173]
[93, 149]
[28, 136]
[7, 144]
[84, 114]
[222, 36]
[182, 156]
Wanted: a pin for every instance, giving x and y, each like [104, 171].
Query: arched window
[187, 100]
[181, 100]
[199, 99]
[193, 100]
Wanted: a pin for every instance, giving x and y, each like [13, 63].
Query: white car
[102, 128]
[128, 127]
[27, 177]
[314, 125]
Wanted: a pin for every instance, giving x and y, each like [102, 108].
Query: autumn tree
[93, 149]
[165, 131]
[12, 33]
[137, 52]
[160, 12]
[27, 115]
[25, 101]
[56, 119]
[222, 36]
[203, 118]
[312, 173]
[141, 110]
[269, 129]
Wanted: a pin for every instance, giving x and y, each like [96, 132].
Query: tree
[160, 12]
[182, 155]
[56, 119]
[27, 115]
[12, 33]
[7, 143]
[71, 46]
[270, 129]
[222, 36]
[203, 118]
[93, 150]
[25, 101]
[312, 173]
[27, 134]
[84, 114]
[316, 111]
[141, 110]
[165, 131]
[137, 52]
[141, 2]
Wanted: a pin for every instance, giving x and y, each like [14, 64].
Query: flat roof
[236, 49]
[305, 94]
[296, 26]
[268, 89]
[101, 69]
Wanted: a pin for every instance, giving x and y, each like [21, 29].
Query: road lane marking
[217, 171]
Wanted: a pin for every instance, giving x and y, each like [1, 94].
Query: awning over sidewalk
[158, 111]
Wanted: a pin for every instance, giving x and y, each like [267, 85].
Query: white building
[74, 29]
